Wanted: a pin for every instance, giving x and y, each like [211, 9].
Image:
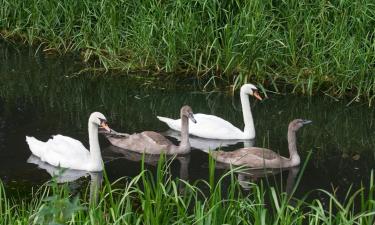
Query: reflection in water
[95, 186]
[150, 159]
[63, 175]
[205, 144]
[49, 90]
[247, 176]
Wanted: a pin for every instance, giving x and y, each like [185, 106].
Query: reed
[310, 45]
[161, 199]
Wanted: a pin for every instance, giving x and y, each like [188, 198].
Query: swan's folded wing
[211, 120]
[210, 126]
[260, 152]
[67, 145]
[64, 151]
[245, 156]
[157, 138]
[229, 157]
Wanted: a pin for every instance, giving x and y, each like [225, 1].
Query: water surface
[42, 95]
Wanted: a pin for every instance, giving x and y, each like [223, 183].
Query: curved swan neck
[94, 143]
[184, 146]
[292, 145]
[184, 167]
[247, 115]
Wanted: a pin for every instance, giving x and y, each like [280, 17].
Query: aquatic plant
[161, 199]
[309, 45]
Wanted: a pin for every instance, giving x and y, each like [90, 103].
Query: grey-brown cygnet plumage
[262, 157]
[151, 142]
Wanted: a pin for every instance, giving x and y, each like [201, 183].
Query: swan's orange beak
[104, 125]
[257, 96]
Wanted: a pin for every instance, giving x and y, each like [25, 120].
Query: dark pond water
[42, 95]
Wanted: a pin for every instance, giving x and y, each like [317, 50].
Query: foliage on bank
[310, 45]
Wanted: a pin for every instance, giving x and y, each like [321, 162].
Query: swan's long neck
[249, 130]
[184, 167]
[95, 154]
[292, 145]
[184, 146]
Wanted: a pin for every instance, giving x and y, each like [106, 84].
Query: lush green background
[312, 45]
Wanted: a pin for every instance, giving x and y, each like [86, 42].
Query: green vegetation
[309, 45]
[160, 199]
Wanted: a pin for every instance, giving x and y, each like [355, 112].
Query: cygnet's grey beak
[306, 122]
[104, 125]
[192, 118]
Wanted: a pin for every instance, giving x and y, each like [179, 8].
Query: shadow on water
[42, 95]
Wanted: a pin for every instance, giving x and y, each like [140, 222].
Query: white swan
[69, 153]
[213, 127]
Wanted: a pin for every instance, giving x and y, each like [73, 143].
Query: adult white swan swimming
[69, 153]
[213, 127]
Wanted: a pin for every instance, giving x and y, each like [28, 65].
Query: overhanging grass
[149, 199]
[312, 45]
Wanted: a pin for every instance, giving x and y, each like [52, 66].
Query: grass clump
[310, 45]
[160, 199]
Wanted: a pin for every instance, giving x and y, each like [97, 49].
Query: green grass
[161, 199]
[310, 45]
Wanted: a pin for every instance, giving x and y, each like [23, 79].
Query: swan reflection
[63, 175]
[247, 176]
[150, 159]
[208, 144]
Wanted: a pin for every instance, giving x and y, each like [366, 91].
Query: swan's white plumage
[207, 126]
[69, 153]
[61, 151]
[213, 127]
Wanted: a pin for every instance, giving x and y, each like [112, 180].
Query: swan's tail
[168, 121]
[35, 145]
[33, 159]
[165, 119]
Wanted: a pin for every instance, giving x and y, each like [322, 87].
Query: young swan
[150, 142]
[262, 157]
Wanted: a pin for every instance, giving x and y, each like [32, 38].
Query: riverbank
[312, 46]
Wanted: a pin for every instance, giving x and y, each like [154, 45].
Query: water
[42, 95]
